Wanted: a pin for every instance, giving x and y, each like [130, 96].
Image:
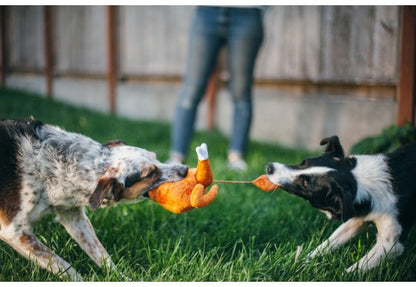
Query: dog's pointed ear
[344, 198]
[105, 183]
[333, 146]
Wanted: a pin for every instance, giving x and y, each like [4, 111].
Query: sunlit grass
[244, 235]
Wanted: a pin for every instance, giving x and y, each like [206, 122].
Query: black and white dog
[357, 190]
[44, 169]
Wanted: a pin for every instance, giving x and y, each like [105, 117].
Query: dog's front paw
[352, 268]
[124, 277]
[312, 254]
[320, 250]
[72, 275]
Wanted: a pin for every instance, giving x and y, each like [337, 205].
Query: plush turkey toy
[188, 193]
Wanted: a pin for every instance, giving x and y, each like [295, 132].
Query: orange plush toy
[264, 183]
[189, 193]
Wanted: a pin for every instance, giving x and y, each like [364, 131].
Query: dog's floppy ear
[343, 197]
[333, 146]
[105, 183]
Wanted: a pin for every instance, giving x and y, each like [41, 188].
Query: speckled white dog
[44, 169]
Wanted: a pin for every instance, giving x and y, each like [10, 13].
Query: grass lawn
[244, 235]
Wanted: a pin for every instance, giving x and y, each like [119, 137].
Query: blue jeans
[241, 31]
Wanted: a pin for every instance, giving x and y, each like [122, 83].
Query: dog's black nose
[182, 170]
[270, 168]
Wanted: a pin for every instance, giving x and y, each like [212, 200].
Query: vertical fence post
[111, 61]
[407, 78]
[3, 63]
[48, 50]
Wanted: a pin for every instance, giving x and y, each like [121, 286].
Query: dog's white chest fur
[374, 183]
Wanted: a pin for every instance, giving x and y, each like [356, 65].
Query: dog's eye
[304, 181]
[132, 179]
[151, 173]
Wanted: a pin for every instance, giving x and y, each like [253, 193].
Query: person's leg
[245, 36]
[204, 45]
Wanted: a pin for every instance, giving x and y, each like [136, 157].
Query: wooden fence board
[80, 39]
[302, 43]
[154, 39]
[24, 38]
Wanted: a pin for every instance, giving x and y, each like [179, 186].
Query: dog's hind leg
[341, 235]
[387, 244]
[30, 247]
[79, 227]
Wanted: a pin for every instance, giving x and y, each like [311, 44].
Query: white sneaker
[236, 162]
[175, 158]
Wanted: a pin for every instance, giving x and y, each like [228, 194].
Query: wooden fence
[311, 45]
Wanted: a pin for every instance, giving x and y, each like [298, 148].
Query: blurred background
[322, 70]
